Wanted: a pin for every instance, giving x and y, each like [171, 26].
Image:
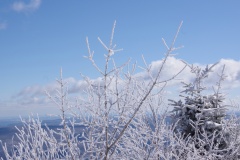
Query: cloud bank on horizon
[36, 95]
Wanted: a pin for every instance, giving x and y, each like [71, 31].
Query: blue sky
[38, 37]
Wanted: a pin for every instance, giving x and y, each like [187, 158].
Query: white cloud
[23, 7]
[232, 73]
[230, 85]
[35, 95]
[172, 67]
[3, 25]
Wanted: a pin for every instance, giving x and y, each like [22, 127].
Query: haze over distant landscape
[38, 37]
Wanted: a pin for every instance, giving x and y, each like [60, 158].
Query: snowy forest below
[123, 117]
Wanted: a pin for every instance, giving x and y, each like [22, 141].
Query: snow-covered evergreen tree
[199, 117]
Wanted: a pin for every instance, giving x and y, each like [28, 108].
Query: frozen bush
[123, 117]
